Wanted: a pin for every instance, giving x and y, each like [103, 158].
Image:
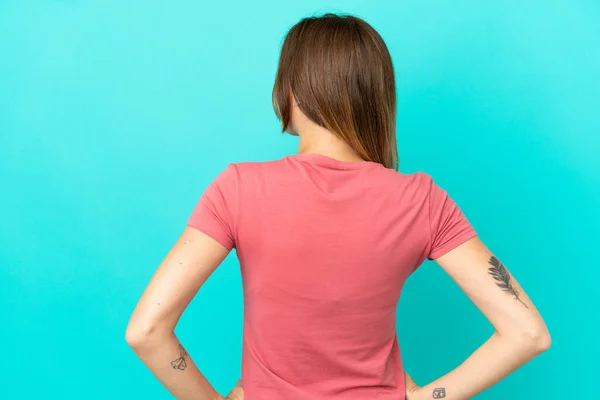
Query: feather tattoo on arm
[502, 277]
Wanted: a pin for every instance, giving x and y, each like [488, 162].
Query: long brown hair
[341, 74]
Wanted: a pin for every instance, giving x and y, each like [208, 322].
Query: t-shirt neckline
[320, 159]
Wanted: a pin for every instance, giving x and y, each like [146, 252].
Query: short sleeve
[214, 213]
[449, 227]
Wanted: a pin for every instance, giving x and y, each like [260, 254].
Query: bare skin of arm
[150, 332]
[520, 332]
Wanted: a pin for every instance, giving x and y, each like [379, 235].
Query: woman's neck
[323, 142]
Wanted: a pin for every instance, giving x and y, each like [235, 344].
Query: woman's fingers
[237, 393]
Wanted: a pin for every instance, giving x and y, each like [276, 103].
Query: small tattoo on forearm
[439, 393]
[502, 277]
[180, 363]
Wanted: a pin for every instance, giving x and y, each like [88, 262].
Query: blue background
[115, 115]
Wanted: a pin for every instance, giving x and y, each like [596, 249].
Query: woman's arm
[521, 333]
[150, 332]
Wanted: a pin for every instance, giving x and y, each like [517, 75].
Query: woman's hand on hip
[237, 393]
[413, 392]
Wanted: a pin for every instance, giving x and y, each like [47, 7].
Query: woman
[326, 239]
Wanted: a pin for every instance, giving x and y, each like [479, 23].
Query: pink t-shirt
[325, 247]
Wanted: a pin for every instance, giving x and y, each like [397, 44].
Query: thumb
[237, 393]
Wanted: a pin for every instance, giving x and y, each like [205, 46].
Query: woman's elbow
[531, 339]
[137, 334]
[535, 339]
[143, 334]
[540, 339]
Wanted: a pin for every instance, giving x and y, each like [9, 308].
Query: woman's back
[325, 247]
[326, 239]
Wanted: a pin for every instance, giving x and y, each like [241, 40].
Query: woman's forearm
[494, 360]
[167, 359]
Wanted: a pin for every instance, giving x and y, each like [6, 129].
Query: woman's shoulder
[245, 168]
[416, 179]
[251, 171]
[272, 169]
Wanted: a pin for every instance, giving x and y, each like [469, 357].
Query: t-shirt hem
[457, 241]
[221, 239]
